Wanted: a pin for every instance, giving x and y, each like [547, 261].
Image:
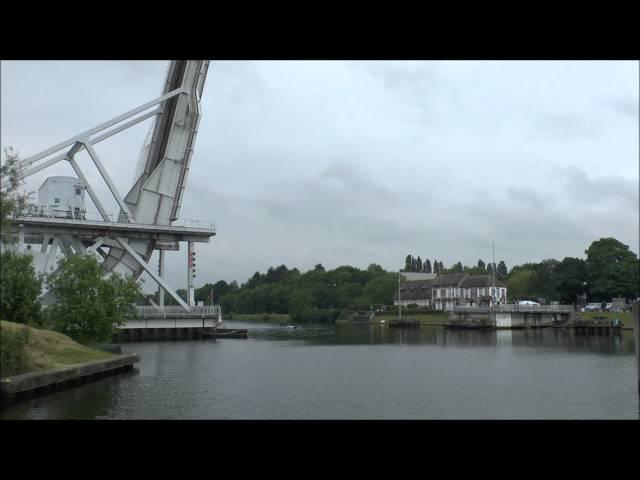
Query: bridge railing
[514, 308]
[92, 216]
[169, 311]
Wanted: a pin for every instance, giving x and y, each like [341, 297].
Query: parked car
[592, 307]
[527, 302]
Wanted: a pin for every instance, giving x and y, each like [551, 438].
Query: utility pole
[399, 298]
[493, 271]
[191, 273]
[161, 273]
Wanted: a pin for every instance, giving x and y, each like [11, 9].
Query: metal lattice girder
[150, 270]
[153, 202]
[103, 126]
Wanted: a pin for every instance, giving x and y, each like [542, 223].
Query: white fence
[514, 308]
[176, 311]
[113, 218]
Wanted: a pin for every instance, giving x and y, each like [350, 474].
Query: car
[592, 307]
[527, 302]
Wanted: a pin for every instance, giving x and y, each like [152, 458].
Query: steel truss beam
[151, 271]
[87, 134]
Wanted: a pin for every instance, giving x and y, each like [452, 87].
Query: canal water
[362, 372]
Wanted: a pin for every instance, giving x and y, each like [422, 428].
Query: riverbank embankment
[36, 361]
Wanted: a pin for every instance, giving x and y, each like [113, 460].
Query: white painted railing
[514, 308]
[195, 311]
[113, 218]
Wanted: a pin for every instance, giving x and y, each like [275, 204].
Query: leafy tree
[19, 289]
[545, 281]
[612, 270]
[11, 201]
[519, 284]
[457, 268]
[300, 305]
[89, 306]
[572, 273]
[501, 271]
[427, 266]
[418, 264]
[408, 263]
[481, 267]
[489, 270]
[379, 289]
[375, 269]
[279, 301]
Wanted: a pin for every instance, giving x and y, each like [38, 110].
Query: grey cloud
[603, 190]
[303, 162]
[566, 126]
[625, 106]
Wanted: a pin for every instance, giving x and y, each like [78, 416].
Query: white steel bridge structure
[147, 211]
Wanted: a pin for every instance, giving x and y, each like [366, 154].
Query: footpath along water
[363, 372]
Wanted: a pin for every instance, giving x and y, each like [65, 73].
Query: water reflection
[365, 371]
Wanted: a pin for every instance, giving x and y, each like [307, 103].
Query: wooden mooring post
[636, 338]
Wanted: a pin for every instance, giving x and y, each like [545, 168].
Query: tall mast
[399, 299]
[493, 271]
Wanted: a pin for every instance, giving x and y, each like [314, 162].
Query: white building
[446, 291]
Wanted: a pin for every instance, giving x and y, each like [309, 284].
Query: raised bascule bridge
[148, 213]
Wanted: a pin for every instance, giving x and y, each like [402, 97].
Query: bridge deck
[93, 228]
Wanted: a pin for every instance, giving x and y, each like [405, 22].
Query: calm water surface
[362, 372]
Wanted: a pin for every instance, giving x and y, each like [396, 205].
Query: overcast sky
[300, 163]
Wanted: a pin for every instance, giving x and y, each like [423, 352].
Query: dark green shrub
[89, 306]
[19, 289]
[13, 352]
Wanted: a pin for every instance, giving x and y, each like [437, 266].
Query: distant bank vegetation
[319, 295]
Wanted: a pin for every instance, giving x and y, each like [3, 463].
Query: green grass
[47, 349]
[624, 317]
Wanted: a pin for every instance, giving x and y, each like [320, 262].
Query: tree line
[609, 270]
[318, 295]
[416, 264]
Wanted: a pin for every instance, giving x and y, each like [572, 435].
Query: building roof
[472, 281]
[451, 280]
[412, 276]
[415, 290]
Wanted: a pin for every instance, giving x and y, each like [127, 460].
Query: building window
[78, 191]
[56, 201]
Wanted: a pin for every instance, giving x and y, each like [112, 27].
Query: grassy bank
[25, 349]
